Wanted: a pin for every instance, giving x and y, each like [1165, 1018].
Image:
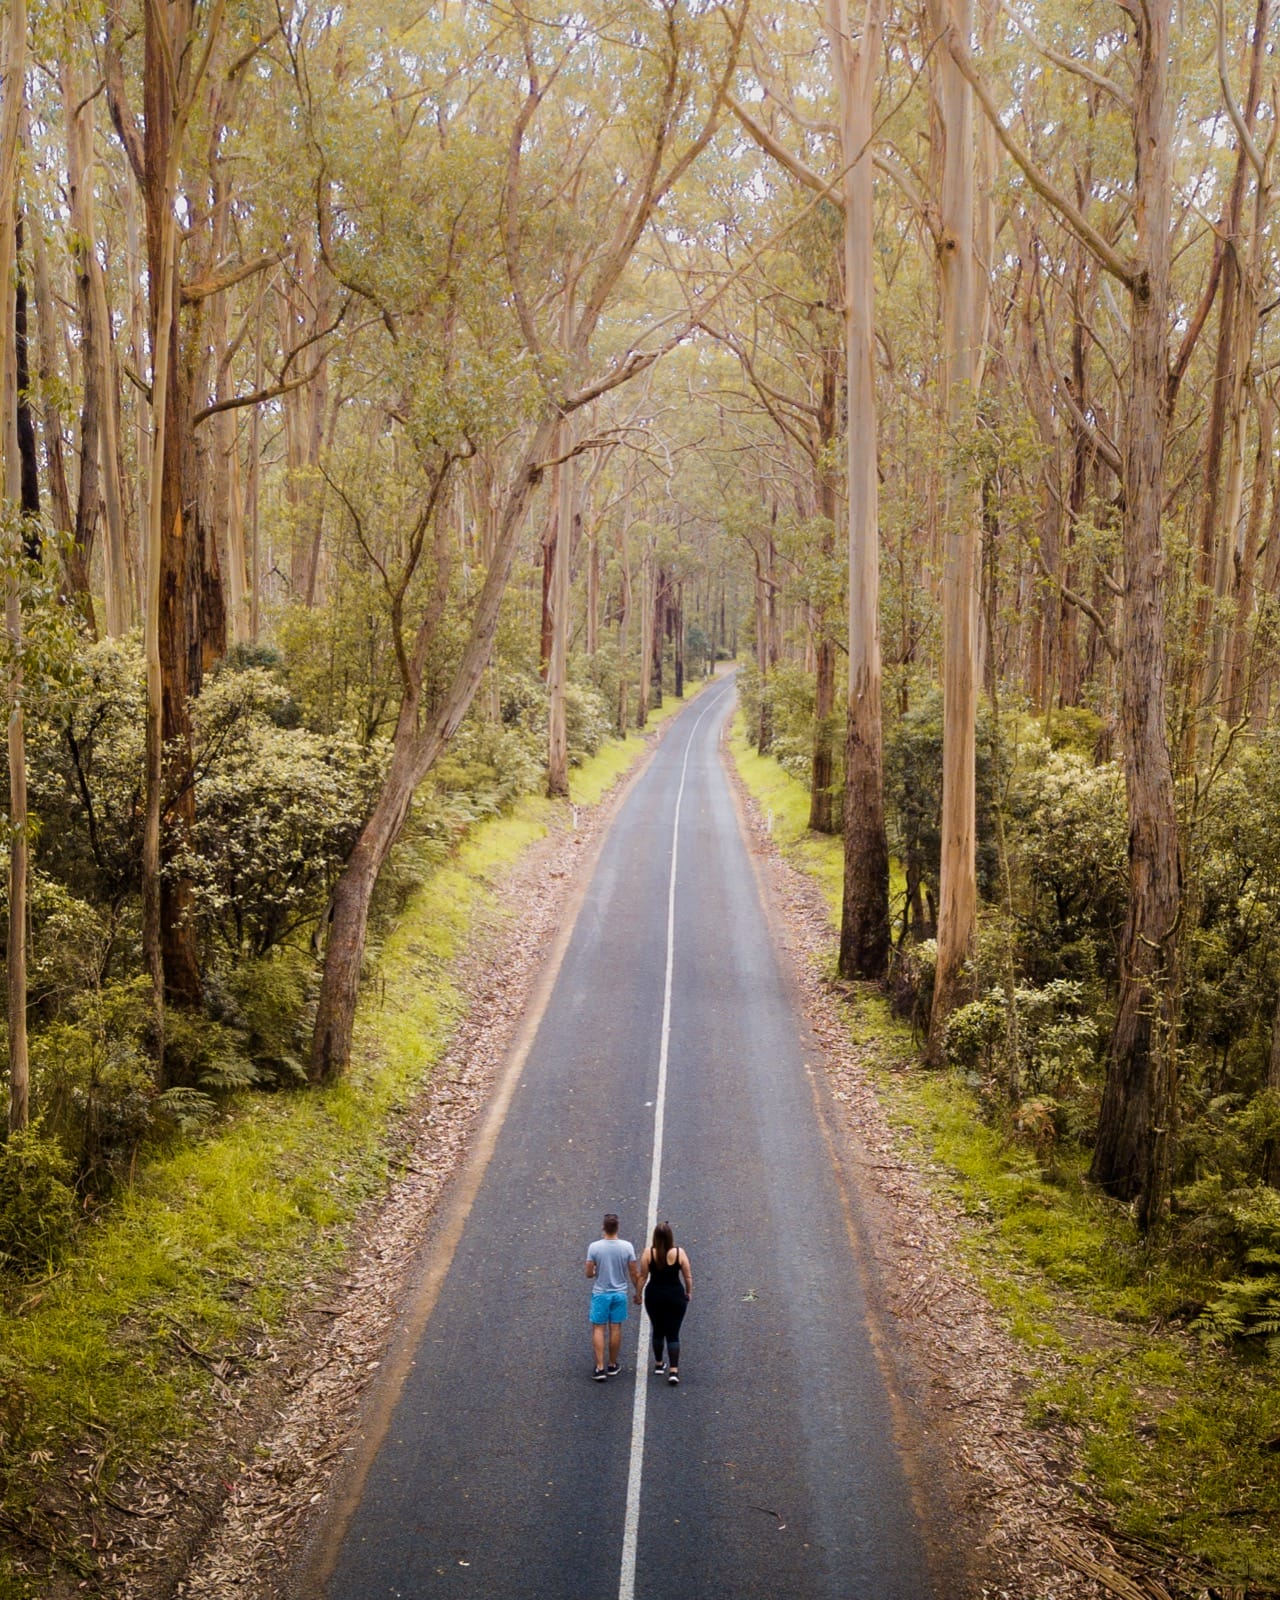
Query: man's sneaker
[673, 1377]
[599, 1374]
[612, 1369]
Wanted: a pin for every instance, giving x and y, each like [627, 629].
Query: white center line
[631, 1524]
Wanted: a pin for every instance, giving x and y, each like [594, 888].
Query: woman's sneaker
[659, 1369]
[612, 1369]
[673, 1377]
[599, 1374]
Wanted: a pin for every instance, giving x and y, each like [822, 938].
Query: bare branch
[1238, 121]
[1106, 253]
[205, 287]
[1070, 64]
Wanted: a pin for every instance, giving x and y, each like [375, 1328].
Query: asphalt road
[774, 1471]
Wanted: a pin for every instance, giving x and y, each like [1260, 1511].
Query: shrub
[91, 1072]
[1247, 1222]
[278, 812]
[37, 1205]
[1070, 837]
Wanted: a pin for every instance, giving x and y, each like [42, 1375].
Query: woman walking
[666, 1284]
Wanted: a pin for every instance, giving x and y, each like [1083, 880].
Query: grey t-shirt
[611, 1257]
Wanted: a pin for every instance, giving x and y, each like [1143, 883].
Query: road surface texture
[504, 1472]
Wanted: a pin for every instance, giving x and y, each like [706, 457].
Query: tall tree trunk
[822, 777]
[15, 59]
[556, 604]
[100, 424]
[644, 687]
[661, 599]
[958, 886]
[176, 593]
[1238, 659]
[55, 464]
[864, 916]
[677, 640]
[624, 635]
[28, 469]
[1131, 1158]
[593, 590]
[1216, 531]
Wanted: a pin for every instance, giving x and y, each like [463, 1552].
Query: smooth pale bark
[558, 602]
[59, 494]
[414, 752]
[1224, 428]
[253, 491]
[134, 255]
[958, 881]
[822, 810]
[624, 634]
[99, 480]
[593, 591]
[1238, 663]
[1131, 1158]
[864, 916]
[15, 57]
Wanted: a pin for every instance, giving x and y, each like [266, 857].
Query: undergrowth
[111, 1362]
[1176, 1437]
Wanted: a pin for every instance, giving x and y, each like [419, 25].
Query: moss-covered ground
[113, 1360]
[1176, 1440]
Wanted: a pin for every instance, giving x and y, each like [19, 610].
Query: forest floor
[228, 1509]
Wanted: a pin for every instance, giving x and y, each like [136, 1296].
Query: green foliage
[91, 1073]
[1074, 896]
[37, 1205]
[913, 792]
[278, 810]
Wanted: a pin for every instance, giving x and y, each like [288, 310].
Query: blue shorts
[607, 1305]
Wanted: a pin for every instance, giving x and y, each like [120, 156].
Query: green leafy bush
[37, 1204]
[1247, 1222]
[92, 1074]
[278, 810]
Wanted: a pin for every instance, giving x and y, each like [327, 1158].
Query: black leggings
[666, 1313]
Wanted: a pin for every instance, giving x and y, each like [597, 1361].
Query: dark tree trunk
[678, 640]
[1131, 1158]
[179, 627]
[30, 472]
[548, 570]
[349, 921]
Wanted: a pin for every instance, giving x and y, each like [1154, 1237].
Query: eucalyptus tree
[958, 884]
[412, 233]
[12, 521]
[1132, 1152]
[855, 63]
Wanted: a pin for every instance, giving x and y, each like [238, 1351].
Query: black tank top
[664, 1275]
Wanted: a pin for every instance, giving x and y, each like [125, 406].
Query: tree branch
[1110, 258]
[205, 287]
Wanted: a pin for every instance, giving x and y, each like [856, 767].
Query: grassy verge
[114, 1361]
[1176, 1440]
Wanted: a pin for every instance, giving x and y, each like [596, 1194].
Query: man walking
[610, 1262]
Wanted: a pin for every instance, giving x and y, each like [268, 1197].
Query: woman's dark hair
[663, 1240]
